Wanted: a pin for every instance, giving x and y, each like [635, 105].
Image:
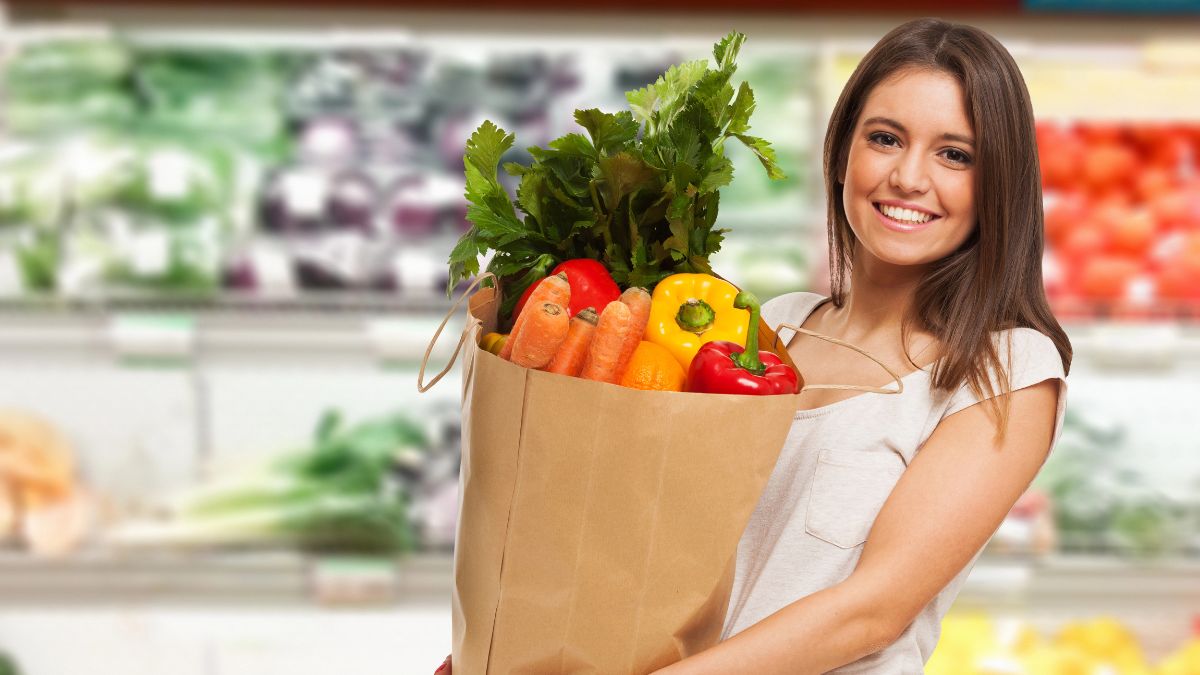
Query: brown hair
[994, 280]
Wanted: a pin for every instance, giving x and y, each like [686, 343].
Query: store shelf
[251, 579]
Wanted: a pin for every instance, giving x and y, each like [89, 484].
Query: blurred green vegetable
[1100, 505]
[8, 666]
[336, 495]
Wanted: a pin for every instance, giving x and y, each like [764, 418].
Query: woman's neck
[879, 298]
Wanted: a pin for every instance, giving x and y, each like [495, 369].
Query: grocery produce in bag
[601, 512]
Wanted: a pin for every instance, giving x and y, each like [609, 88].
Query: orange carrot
[570, 356]
[604, 355]
[638, 301]
[541, 336]
[553, 289]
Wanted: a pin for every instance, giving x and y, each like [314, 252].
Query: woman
[879, 504]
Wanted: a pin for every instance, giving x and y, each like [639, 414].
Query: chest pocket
[848, 489]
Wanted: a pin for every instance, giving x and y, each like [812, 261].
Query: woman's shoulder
[787, 306]
[1023, 349]
[791, 308]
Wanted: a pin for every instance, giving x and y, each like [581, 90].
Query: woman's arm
[949, 501]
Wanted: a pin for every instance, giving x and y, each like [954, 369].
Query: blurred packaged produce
[44, 508]
[286, 168]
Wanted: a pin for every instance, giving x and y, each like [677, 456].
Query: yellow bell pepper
[688, 310]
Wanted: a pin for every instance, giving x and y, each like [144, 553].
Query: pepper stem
[748, 357]
[695, 316]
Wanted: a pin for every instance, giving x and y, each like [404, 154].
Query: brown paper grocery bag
[598, 525]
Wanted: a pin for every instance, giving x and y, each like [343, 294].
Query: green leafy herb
[639, 192]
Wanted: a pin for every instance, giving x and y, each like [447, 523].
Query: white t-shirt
[837, 467]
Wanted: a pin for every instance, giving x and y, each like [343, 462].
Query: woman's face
[909, 181]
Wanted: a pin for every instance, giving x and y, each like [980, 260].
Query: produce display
[350, 491]
[1102, 504]
[975, 644]
[632, 205]
[1122, 212]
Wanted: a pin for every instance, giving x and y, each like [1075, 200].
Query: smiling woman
[912, 189]
[878, 504]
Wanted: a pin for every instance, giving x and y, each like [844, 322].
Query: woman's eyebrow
[900, 127]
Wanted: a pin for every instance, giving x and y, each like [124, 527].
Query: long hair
[994, 280]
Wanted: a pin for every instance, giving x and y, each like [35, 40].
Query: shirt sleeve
[1034, 359]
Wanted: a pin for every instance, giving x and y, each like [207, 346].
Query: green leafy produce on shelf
[8, 666]
[223, 92]
[639, 192]
[38, 256]
[1100, 505]
[336, 495]
[68, 82]
[56, 65]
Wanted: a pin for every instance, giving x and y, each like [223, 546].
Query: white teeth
[905, 215]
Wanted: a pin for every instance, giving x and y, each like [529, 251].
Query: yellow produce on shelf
[976, 644]
[1186, 661]
[1107, 642]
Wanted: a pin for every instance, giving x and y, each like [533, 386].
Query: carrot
[604, 354]
[638, 301]
[553, 289]
[570, 356]
[541, 335]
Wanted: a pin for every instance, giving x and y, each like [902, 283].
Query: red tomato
[1178, 208]
[1061, 155]
[1066, 213]
[1179, 273]
[1083, 243]
[1153, 181]
[1105, 132]
[1107, 277]
[1131, 231]
[1109, 165]
[1174, 152]
[591, 286]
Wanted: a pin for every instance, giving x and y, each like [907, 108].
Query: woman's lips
[897, 226]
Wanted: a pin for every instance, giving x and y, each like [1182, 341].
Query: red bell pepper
[724, 367]
[591, 286]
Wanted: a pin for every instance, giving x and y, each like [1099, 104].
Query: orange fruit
[653, 367]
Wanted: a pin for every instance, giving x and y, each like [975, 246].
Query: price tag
[164, 339]
[353, 581]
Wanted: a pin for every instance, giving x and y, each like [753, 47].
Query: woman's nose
[910, 173]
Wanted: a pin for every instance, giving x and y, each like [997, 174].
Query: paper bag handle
[421, 386]
[841, 343]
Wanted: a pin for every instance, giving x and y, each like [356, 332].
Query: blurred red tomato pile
[1122, 212]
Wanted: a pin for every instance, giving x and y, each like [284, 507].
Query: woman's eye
[882, 138]
[958, 156]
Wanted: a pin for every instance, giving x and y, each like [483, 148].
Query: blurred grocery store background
[223, 240]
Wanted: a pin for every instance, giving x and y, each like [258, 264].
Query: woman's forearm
[815, 634]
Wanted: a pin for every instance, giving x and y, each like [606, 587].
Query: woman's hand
[444, 669]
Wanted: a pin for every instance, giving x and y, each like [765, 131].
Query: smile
[903, 220]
